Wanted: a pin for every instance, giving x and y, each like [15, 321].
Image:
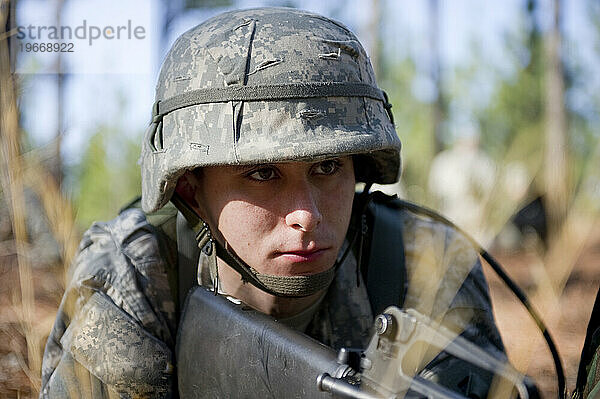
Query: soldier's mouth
[303, 256]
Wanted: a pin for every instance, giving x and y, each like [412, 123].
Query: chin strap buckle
[206, 243]
[204, 239]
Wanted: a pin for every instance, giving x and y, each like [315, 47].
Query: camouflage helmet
[261, 86]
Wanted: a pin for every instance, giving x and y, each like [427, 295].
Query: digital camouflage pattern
[592, 384]
[114, 333]
[255, 48]
[115, 328]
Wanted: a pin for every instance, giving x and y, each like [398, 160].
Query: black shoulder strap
[384, 270]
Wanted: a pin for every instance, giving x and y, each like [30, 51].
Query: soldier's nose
[305, 220]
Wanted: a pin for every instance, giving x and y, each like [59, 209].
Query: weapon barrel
[342, 389]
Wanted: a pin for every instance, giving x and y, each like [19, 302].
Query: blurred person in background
[460, 179]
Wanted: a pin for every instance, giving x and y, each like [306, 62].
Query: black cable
[534, 315]
[560, 375]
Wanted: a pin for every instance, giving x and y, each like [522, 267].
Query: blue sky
[112, 82]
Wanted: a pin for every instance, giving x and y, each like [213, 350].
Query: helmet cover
[263, 86]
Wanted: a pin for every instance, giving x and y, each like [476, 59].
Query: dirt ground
[567, 320]
[16, 380]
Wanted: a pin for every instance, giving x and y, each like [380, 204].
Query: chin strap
[211, 248]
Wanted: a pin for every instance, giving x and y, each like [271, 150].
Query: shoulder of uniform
[118, 277]
[164, 224]
[163, 219]
[440, 258]
[128, 234]
[125, 259]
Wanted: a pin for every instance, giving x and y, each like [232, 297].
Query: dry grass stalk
[12, 187]
[57, 208]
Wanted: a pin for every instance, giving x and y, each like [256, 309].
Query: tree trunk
[374, 38]
[57, 166]
[439, 107]
[556, 166]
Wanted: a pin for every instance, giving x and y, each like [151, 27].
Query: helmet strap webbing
[284, 286]
[265, 93]
[273, 92]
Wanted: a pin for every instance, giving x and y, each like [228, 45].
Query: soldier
[264, 121]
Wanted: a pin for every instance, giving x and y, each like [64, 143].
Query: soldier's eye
[263, 173]
[327, 167]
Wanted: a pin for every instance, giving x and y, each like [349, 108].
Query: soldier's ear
[186, 189]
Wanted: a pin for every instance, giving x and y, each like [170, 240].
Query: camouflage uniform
[115, 328]
[250, 87]
[592, 383]
[114, 333]
[588, 376]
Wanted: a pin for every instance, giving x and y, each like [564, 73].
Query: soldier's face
[284, 219]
